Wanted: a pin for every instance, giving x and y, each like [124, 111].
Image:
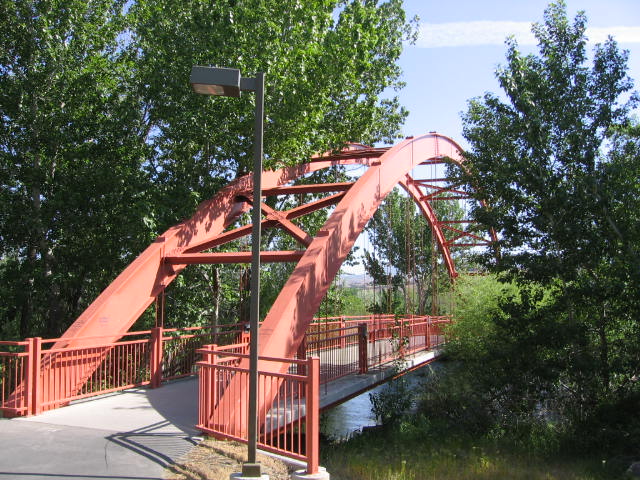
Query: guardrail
[289, 426]
[376, 340]
[289, 402]
[41, 374]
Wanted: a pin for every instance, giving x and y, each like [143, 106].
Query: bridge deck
[140, 430]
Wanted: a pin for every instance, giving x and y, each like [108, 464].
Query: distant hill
[355, 281]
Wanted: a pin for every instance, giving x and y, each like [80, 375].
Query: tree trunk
[604, 351]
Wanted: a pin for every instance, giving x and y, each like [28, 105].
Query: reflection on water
[350, 416]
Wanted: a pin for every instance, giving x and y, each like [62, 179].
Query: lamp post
[229, 83]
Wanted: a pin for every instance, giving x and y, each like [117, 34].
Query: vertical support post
[156, 356]
[254, 313]
[343, 338]
[160, 304]
[208, 386]
[362, 348]
[313, 415]
[302, 349]
[32, 392]
[427, 340]
[302, 354]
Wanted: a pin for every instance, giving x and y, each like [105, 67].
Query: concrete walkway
[133, 434]
[127, 435]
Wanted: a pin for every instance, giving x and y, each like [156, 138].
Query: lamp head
[215, 81]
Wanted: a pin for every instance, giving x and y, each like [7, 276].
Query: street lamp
[229, 83]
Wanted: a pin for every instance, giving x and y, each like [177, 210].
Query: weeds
[406, 453]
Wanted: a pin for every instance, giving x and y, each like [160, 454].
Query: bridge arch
[138, 286]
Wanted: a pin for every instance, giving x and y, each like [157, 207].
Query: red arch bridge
[298, 353]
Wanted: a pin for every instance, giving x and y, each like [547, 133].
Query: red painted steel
[290, 427]
[293, 397]
[232, 257]
[117, 308]
[35, 375]
[13, 372]
[313, 416]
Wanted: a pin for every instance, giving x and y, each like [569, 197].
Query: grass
[397, 455]
[394, 455]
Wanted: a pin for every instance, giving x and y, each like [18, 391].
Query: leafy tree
[538, 156]
[103, 145]
[71, 185]
[326, 70]
[557, 161]
[327, 64]
[402, 257]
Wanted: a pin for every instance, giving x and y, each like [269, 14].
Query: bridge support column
[32, 392]
[156, 356]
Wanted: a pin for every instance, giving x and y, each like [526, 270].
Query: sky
[461, 42]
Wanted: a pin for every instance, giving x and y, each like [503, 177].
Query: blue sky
[462, 41]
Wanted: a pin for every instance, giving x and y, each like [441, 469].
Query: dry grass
[217, 460]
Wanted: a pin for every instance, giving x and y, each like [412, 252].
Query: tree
[71, 184]
[402, 257]
[103, 145]
[555, 162]
[326, 62]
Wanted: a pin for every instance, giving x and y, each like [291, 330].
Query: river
[341, 421]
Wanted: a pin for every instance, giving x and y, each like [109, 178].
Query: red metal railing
[38, 375]
[376, 340]
[290, 426]
[14, 368]
[286, 407]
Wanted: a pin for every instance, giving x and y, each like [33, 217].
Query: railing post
[302, 349]
[302, 354]
[343, 338]
[33, 384]
[157, 349]
[313, 415]
[363, 355]
[208, 386]
[427, 340]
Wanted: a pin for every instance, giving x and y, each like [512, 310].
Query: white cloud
[465, 34]
[620, 34]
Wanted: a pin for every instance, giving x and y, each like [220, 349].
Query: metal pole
[254, 313]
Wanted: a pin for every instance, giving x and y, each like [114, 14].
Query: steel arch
[137, 287]
[145, 279]
[292, 312]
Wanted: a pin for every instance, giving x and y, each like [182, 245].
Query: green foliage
[557, 162]
[352, 301]
[392, 403]
[72, 185]
[401, 263]
[408, 453]
[103, 145]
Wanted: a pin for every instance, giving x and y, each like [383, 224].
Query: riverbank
[406, 453]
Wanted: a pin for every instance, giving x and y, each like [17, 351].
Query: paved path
[127, 435]
[133, 434]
